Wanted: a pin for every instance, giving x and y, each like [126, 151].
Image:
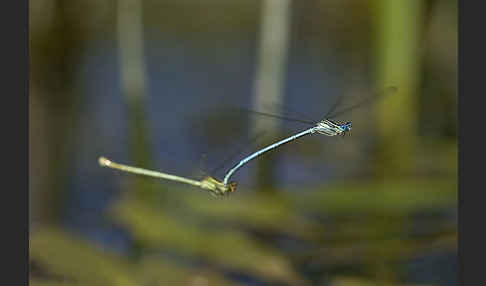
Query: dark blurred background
[162, 84]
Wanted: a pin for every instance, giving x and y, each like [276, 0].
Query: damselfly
[211, 184]
[208, 183]
[327, 126]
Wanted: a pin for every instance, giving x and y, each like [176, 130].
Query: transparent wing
[277, 116]
[238, 152]
[200, 170]
[334, 111]
[288, 111]
[373, 97]
[334, 106]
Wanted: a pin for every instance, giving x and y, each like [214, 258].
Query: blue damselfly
[327, 126]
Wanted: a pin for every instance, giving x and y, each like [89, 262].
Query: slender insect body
[264, 150]
[210, 184]
[214, 186]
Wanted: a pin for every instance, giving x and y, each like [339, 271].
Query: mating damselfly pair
[326, 126]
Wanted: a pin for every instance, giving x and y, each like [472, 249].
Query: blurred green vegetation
[369, 225]
[67, 260]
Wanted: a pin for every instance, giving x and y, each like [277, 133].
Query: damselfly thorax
[330, 128]
[216, 186]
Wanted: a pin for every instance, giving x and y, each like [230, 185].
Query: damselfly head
[217, 187]
[232, 186]
[346, 126]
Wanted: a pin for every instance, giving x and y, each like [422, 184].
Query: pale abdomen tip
[103, 161]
